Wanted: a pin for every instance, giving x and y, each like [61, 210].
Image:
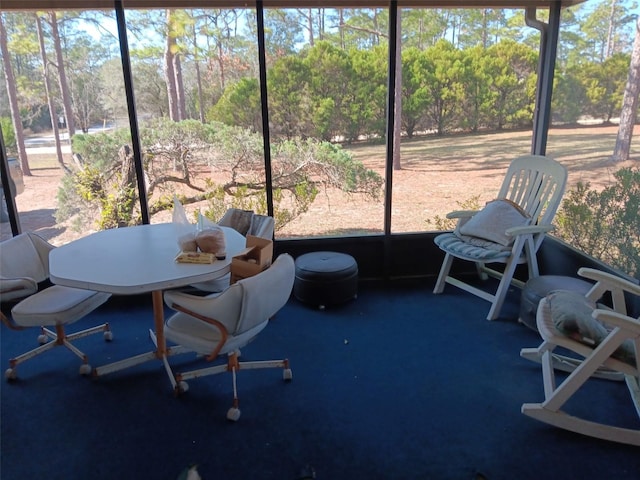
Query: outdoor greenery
[195, 75]
[327, 68]
[605, 224]
[175, 153]
[601, 223]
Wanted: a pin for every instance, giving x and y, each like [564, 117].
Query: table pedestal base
[143, 358]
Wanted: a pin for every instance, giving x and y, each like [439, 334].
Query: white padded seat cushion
[57, 305]
[571, 313]
[494, 219]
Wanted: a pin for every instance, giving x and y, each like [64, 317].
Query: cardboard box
[255, 258]
[262, 250]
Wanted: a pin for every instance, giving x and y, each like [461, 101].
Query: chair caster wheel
[108, 336]
[182, 387]
[287, 374]
[42, 339]
[233, 414]
[85, 369]
[10, 374]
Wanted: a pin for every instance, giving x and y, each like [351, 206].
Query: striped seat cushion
[472, 248]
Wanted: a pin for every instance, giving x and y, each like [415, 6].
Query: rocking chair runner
[616, 349]
[509, 230]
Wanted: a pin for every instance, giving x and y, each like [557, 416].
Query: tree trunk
[62, 77]
[47, 90]
[196, 61]
[397, 94]
[13, 101]
[629, 103]
[221, 69]
[341, 27]
[610, 48]
[126, 193]
[169, 73]
[182, 104]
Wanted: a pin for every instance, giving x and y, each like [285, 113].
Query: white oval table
[136, 260]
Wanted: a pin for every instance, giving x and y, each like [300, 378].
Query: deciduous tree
[13, 100]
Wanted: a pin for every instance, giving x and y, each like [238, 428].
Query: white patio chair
[508, 230]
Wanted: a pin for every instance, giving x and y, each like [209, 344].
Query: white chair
[603, 339]
[508, 230]
[246, 223]
[221, 324]
[24, 282]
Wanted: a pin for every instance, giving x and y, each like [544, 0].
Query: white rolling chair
[24, 275]
[221, 324]
[246, 223]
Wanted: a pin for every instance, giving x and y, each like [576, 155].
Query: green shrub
[444, 223]
[605, 224]
[8, 135]
[103, 194]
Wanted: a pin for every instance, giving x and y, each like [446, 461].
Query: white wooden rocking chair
[617, 350]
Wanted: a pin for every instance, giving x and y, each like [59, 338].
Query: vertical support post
[131, 107]
[8, 196]
[546, 66]
[266, 137]
[391, 121]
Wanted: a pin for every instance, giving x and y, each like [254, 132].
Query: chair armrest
[461, 214]
[613, 281]
[528, 229]
[615, 319]
[17, 288]
[224, 333]
[606, 282]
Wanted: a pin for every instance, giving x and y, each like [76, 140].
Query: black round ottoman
[325, 278]
[539, 287]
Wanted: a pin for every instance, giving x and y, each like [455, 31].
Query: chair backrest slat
[537, 184]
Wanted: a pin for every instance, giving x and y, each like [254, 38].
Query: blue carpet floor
[398, 384]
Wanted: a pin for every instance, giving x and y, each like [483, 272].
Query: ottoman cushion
[325, 278]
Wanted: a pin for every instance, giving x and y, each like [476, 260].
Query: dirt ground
[429, 184]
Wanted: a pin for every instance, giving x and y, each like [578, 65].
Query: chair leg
[503, 288]
[59, 338]
[480, 270]
[233, 413]
[444, 273]
[233, 365]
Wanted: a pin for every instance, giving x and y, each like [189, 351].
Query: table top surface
[134, 260]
